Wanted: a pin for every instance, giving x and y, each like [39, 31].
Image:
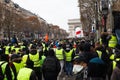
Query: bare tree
[88, 11]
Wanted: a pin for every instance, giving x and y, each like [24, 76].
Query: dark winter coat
[48, 74]
[89, 55]
[97, 68]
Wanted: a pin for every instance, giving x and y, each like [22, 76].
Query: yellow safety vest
[3, 66]
[114, 64]
[30, 45]
[43, 44]
[112, 42]
[35, 59]
[69, 55]
[17, 50]
[112, 57]
[74, 49]
[42, 60]
[24, 59]
[59, 54]
[99, 53]
[7, 50]
[45, 48]
[18, 66]
[100, 41]
[24, 74]
[22, 47]
[12, 47]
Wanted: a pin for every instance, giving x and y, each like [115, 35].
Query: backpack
[49, 64]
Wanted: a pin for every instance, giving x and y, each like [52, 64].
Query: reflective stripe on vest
[12, 47]
[24, 74]
[99, 53]
[59, 54]
[112, 42]
[69, 55]
[35, 59]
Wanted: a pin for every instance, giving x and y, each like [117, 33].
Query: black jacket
[54, 73]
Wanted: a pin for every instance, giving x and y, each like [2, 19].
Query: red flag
[46, 38]
[78, 32]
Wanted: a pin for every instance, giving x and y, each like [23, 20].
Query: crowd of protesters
[59, 59]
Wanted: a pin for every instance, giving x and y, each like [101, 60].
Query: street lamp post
[111, 16]
[105, 12]
[96, 19]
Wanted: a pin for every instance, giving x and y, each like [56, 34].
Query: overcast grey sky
[56, 12]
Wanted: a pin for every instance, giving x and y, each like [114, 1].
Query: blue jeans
[68, 68]
[117, 32]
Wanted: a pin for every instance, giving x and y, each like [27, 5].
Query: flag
[46, 37]
[78, 32]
